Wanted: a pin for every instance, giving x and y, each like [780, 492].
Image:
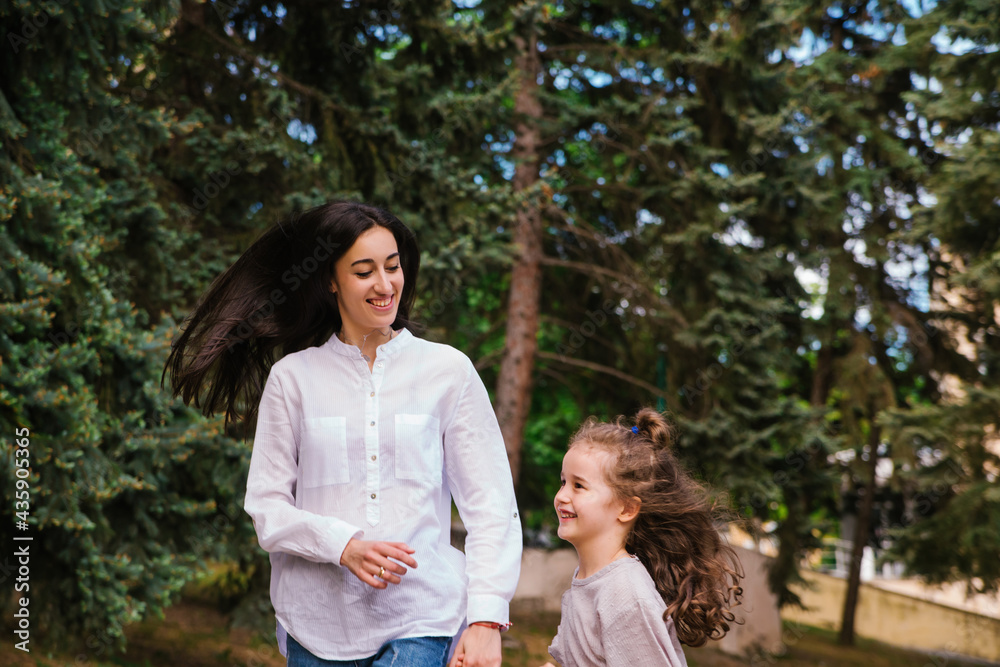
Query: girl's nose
[384, 286]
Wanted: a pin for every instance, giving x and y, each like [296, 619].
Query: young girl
[653, 570]
[364, 434]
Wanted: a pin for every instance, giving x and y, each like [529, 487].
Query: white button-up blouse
[342, 452]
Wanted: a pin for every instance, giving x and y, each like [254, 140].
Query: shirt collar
[398, 342]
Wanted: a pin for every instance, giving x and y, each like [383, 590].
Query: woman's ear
[630, 509]
[333, 286]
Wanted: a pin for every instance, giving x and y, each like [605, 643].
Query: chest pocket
[418, 448]
[323, 452]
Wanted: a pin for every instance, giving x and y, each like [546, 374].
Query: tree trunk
[821, 377]
[783, 567]
[515, 381]
[860, 539]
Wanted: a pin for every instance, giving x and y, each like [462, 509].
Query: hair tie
[635, 429]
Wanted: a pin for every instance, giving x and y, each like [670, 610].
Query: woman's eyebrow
[372, 261]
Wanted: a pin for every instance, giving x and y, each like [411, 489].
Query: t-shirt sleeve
[639, 636]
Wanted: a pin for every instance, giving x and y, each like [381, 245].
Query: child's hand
[477, 647]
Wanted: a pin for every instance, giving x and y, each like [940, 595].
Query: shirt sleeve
[479, 477]
[270, 498]
[639, 636]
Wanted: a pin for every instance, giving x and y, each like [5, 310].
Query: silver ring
[381, 573]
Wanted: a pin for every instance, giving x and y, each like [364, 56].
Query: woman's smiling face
[368, 283]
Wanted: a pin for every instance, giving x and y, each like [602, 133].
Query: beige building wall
[545, 575]
[761, 628]
[898, 619]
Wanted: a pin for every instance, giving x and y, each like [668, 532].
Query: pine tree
[868, 163]
[123, 487]
[947, 529]
[774, 220]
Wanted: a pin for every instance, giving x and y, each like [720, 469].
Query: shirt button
[374, 457]
[373, 496]
[372, 424]
[372, 394]
[379, 364]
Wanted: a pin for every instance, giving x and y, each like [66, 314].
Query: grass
[195, 634]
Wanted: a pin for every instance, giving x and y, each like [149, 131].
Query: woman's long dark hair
[275, 300]
[674, 536]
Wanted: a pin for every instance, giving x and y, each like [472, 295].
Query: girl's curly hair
[674, 535]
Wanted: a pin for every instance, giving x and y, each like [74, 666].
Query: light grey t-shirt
[615, 617]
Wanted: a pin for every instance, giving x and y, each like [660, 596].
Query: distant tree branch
[593, 269]
[488, 359]
[601, 368]
[584, 267]
[233, 45]
[565, 324]
[573, 386]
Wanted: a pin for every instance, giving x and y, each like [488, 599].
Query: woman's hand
[365, 559]
[477, 647]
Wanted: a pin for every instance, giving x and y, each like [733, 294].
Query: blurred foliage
[126, 488]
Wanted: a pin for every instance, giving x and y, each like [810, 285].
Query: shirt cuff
[340, 534]
[488, 608]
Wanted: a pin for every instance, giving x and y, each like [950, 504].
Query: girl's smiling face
[587, 508]
[368, 283]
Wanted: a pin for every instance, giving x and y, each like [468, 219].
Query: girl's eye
[578, 485]
[392, 268]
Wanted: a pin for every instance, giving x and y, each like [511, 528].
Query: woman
[364, 434]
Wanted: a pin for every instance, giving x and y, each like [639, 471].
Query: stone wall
[898, 619]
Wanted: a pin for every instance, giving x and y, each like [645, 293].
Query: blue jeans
[412, 652]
